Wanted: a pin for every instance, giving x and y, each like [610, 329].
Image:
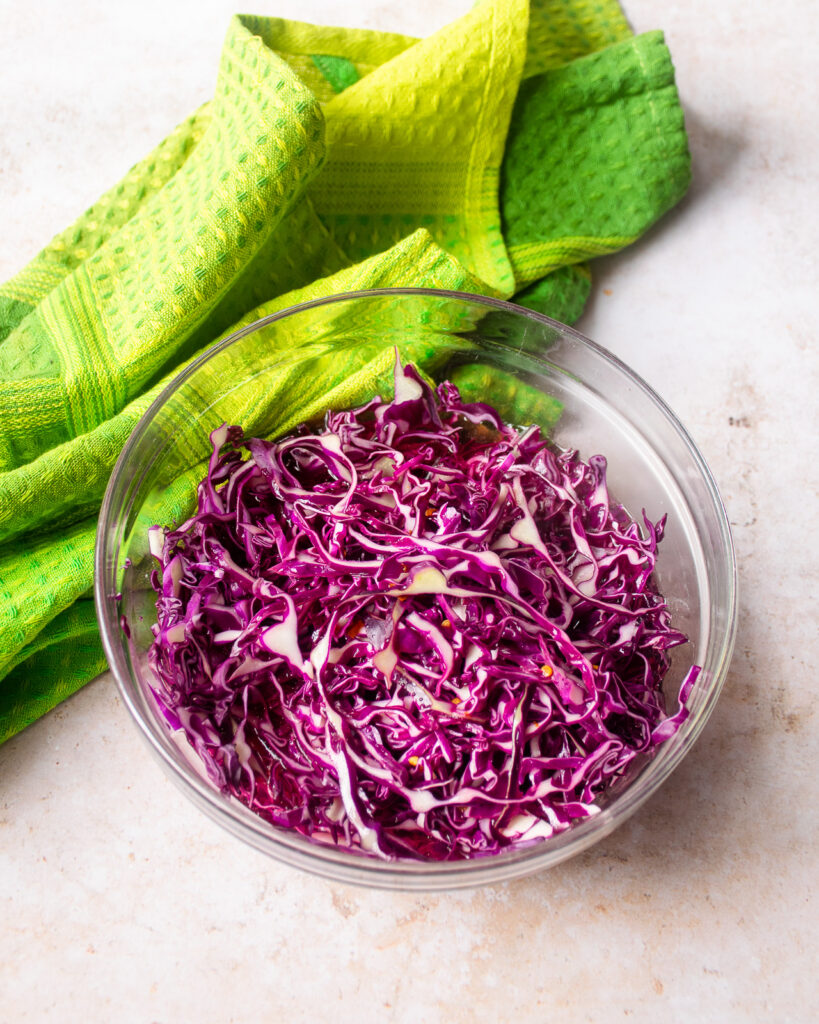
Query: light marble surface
[120, 902]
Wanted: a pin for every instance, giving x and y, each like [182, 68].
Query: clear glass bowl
[260, 375]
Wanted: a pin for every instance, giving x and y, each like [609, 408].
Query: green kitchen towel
[496, 156]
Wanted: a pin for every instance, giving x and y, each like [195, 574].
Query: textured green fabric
[338, 71]
[496, 156]
[562, 30]
[610, 120]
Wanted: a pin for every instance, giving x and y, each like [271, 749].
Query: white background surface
[120, 902]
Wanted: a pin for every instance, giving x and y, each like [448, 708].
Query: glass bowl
[266, 375]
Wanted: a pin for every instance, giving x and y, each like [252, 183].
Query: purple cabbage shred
[418, 632]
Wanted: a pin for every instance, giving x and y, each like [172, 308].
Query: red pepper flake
[355, 629]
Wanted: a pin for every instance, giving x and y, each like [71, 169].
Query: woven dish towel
[495, 156]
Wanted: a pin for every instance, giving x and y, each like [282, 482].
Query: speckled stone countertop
[121, 902]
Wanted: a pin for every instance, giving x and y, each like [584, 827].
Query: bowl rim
[337, 863]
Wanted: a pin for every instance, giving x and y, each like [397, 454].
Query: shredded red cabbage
[418, 633]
